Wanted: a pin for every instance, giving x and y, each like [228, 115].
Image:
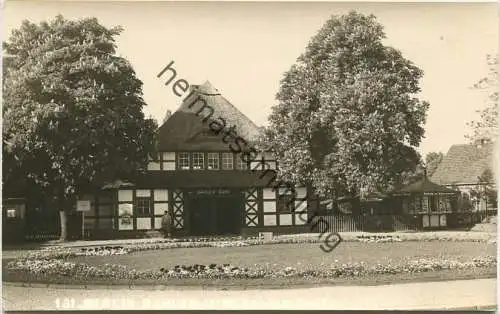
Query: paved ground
[466, 294]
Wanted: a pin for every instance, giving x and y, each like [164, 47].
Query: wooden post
[83, 225]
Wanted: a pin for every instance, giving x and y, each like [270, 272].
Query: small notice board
[83, 206]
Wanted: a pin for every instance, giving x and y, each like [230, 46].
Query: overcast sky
[244, 49]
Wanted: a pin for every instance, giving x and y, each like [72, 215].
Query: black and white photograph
[233, 155]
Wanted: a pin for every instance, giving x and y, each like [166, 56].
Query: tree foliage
[487, 125]
[72, 109]
[347, 113]
[486, 188]
[432, 161]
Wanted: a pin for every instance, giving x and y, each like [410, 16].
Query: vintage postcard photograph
[178, 155]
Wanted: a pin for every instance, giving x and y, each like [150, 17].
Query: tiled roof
[184, 124]
[463, 164]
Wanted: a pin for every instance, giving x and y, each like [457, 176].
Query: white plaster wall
[269, 193]
[285, 219]
[125, 195]
[157, 223]
[269, 220]
[161, 195]
[169, 165]
[270, 207]
[160, 208]
[144, 223]
[142, 193]
[169, 156]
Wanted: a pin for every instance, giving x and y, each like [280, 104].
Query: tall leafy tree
[432, 161]
[72, 110]
[347, 115]
[486, 127]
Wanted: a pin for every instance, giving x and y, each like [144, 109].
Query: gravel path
[413, 296]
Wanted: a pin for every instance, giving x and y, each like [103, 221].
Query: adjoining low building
[469, 169]
[430, 202]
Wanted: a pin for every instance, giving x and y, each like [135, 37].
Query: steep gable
[185, 129]
[463, 164]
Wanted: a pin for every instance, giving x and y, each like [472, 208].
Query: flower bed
[102, 251]
[389, 261]
[60, 268]
[251, 241]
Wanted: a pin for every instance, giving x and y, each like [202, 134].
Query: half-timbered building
[210, 178]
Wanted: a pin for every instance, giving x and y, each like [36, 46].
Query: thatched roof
[463, 164]
[185, 130]
[424, 186]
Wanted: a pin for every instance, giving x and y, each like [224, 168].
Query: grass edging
[287, 283]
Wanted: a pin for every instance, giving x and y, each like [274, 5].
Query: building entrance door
[215, 213]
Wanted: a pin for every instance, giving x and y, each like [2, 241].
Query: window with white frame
[227, 161]
[213, 161]
[184, 161]
[241, 164]
[143, 206]
[198, 161]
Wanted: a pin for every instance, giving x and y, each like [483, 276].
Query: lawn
[298, 255]
[276, 257]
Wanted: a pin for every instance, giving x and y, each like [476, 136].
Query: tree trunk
[64, 206]
[64, 225]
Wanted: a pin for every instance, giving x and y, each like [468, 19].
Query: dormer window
[227, 161]
[198, 161]
[213, 161]
[184, 161]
